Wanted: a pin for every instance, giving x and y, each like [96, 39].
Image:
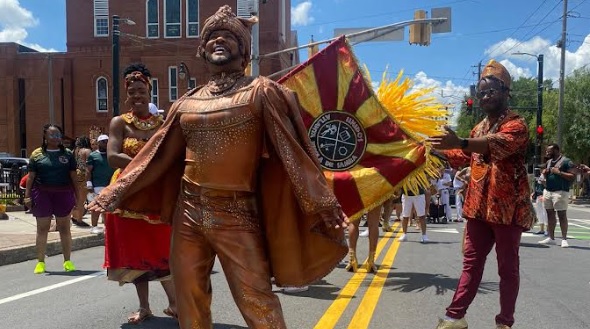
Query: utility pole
[115, 58]
[562, 75]
[538, 156]
[255, 62]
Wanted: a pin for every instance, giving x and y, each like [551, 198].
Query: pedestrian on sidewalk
[81, 153]
[558, 176]
[98, 175]
[50, 191]
[497, 205]
[538, 202]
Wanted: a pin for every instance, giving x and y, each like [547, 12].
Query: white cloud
[300, 14]
[505, 49]
[14, 21]
[446, 93]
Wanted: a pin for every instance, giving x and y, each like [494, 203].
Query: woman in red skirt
[137, 246]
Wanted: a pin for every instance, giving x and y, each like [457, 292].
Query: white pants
[444, 199]
[540, 210]
[458, 205]
[417, 201]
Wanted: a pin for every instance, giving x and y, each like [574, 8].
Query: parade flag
[366, 156]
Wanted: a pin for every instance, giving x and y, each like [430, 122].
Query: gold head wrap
[498, 71]
[137, 76]
[225, 19]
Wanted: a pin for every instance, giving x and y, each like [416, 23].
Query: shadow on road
[72, 274]
[168, 323]
[411, 281]
[533, 245]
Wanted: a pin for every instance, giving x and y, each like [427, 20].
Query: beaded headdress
[225, 19]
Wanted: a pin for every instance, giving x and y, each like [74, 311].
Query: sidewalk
[17, 238]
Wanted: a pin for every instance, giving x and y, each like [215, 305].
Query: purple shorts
[53, 200]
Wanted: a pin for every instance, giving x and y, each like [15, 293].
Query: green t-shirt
[554, 181]
[52, 167]
[101, 171]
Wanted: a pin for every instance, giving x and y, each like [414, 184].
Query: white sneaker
[402, 238]
[96, 230]
[547, 241]
[294, 290]
[424, 238]
[564, 244]
[364, 233]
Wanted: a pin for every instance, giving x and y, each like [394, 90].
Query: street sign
[444, 27]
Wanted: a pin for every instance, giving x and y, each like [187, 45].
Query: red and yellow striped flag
[365, 155]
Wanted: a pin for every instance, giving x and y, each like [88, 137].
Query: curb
[28, 252]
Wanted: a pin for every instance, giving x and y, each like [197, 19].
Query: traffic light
[469, 105]
[420, 32]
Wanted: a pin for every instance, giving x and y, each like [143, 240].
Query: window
[155, 96]
[243, 8]
[152, 19]
[102, 94]
[101, 18]
[172, 19]
[192, 83]
[173, 83]
[192, 18]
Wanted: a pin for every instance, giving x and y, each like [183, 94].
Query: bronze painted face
[223, 48]
[492, 95]
[138, 96]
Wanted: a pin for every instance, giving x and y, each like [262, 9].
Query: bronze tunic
[224, 140]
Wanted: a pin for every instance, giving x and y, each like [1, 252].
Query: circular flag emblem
[64, 159]
[339, 140]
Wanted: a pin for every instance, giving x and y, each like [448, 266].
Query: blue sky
[480, 30]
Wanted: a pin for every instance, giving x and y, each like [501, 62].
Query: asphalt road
[414, 285]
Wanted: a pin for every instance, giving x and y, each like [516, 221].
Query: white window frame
[101, 13]
[243, 8]
[98, 98]
[192, 83]
[172, 71]
[148, 24]
[155, 93]
[166, 21]
[189, 22]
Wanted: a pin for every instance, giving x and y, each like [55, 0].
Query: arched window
[153, 18]
[102, 94]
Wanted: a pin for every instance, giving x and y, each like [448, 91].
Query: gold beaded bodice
[224, 139]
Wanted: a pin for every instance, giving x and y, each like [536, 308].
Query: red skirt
[136, 244]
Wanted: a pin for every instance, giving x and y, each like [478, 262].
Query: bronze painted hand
[334, 218]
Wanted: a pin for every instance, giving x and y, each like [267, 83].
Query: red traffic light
[469, 102]
[540, 130]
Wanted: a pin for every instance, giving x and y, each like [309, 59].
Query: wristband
[88, 184]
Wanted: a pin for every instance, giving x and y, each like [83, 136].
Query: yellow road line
[364, 312]
[334, 312]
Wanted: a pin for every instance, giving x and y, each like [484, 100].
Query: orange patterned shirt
[498, 189]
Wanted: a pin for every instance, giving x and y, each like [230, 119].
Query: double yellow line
[364, 312]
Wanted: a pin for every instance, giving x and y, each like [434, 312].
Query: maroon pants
[479, 239]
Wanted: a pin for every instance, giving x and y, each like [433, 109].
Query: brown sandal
[168, 311]
[139, 316]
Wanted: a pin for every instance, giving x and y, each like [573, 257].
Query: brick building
[79, 81]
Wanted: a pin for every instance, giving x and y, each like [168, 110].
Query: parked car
[8, 162]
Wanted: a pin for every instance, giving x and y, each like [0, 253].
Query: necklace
[224, 82]
[149, 123]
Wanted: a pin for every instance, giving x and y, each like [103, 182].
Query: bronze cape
[291, 188]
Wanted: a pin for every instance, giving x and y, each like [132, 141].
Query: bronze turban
[498, 71]
[225, 19]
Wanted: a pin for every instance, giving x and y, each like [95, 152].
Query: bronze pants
[226, 224]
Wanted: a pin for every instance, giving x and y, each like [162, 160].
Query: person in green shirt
[98, 176]
[50, 191]
[559, 174]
